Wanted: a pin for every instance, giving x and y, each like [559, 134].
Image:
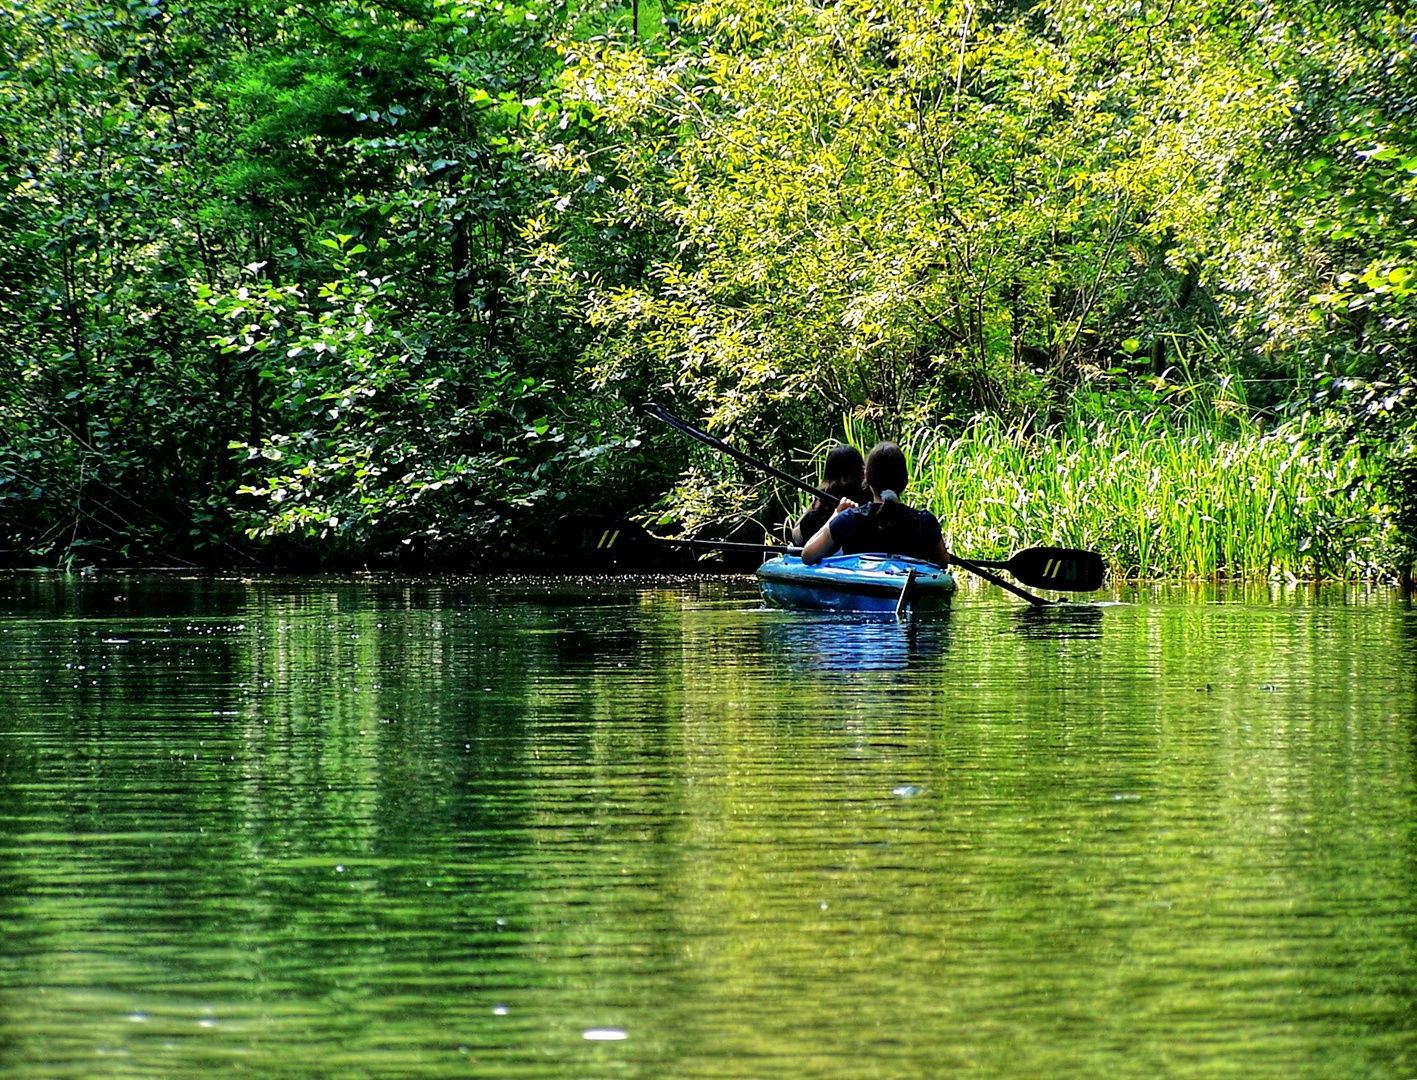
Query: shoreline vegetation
[1162, 504]
[335, 285]
[1218, 500]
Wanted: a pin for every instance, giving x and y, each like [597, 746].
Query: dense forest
[385, 282]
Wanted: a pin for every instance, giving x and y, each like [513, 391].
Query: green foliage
[386, 280]
[1276, 159]
[107, 413]
[211, 151]
[886, 207]
[1400, 480]
[1164, 501]
[385, 444]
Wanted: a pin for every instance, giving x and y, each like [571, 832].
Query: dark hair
[842, 473]
[885, 469]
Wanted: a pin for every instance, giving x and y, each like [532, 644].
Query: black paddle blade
[594, 532]
[595, 542]
[1066, 569]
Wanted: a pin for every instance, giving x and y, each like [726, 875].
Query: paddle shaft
[976, 569]
[661, 413]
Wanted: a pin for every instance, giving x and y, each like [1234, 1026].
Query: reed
[1190, 496]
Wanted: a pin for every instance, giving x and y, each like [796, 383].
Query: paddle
[1065, 569]
[1085, 565]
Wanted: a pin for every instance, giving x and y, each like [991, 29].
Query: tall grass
[1180, 500]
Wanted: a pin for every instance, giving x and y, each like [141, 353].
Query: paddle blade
[595, 542]
[1066, 569]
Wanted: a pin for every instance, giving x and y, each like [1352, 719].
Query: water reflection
[1058, 622]
[1407, 623]
[832, 642]
[470, 829]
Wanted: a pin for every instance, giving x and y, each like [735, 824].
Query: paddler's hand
[844, 505]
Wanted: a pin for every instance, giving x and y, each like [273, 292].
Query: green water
[388, 829]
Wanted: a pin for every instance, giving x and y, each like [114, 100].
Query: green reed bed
[1158, 502]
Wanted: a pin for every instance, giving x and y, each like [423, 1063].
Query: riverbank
[1209, 495]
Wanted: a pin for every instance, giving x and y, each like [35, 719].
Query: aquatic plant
[1401, 482]
[1161, 497]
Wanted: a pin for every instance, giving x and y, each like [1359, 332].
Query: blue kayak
[866, 582]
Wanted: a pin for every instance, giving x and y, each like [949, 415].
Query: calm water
[387, 829]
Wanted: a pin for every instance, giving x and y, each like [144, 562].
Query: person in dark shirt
[843, 475]
[886, 524]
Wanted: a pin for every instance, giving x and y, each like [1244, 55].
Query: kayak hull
[865, 582]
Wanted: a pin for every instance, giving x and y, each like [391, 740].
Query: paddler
[884, 525]
[843, 475]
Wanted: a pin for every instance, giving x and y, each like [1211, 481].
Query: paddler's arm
[939, 554]
[821, 545]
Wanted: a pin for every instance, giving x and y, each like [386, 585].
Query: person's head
[843, 469]
[885, 469]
